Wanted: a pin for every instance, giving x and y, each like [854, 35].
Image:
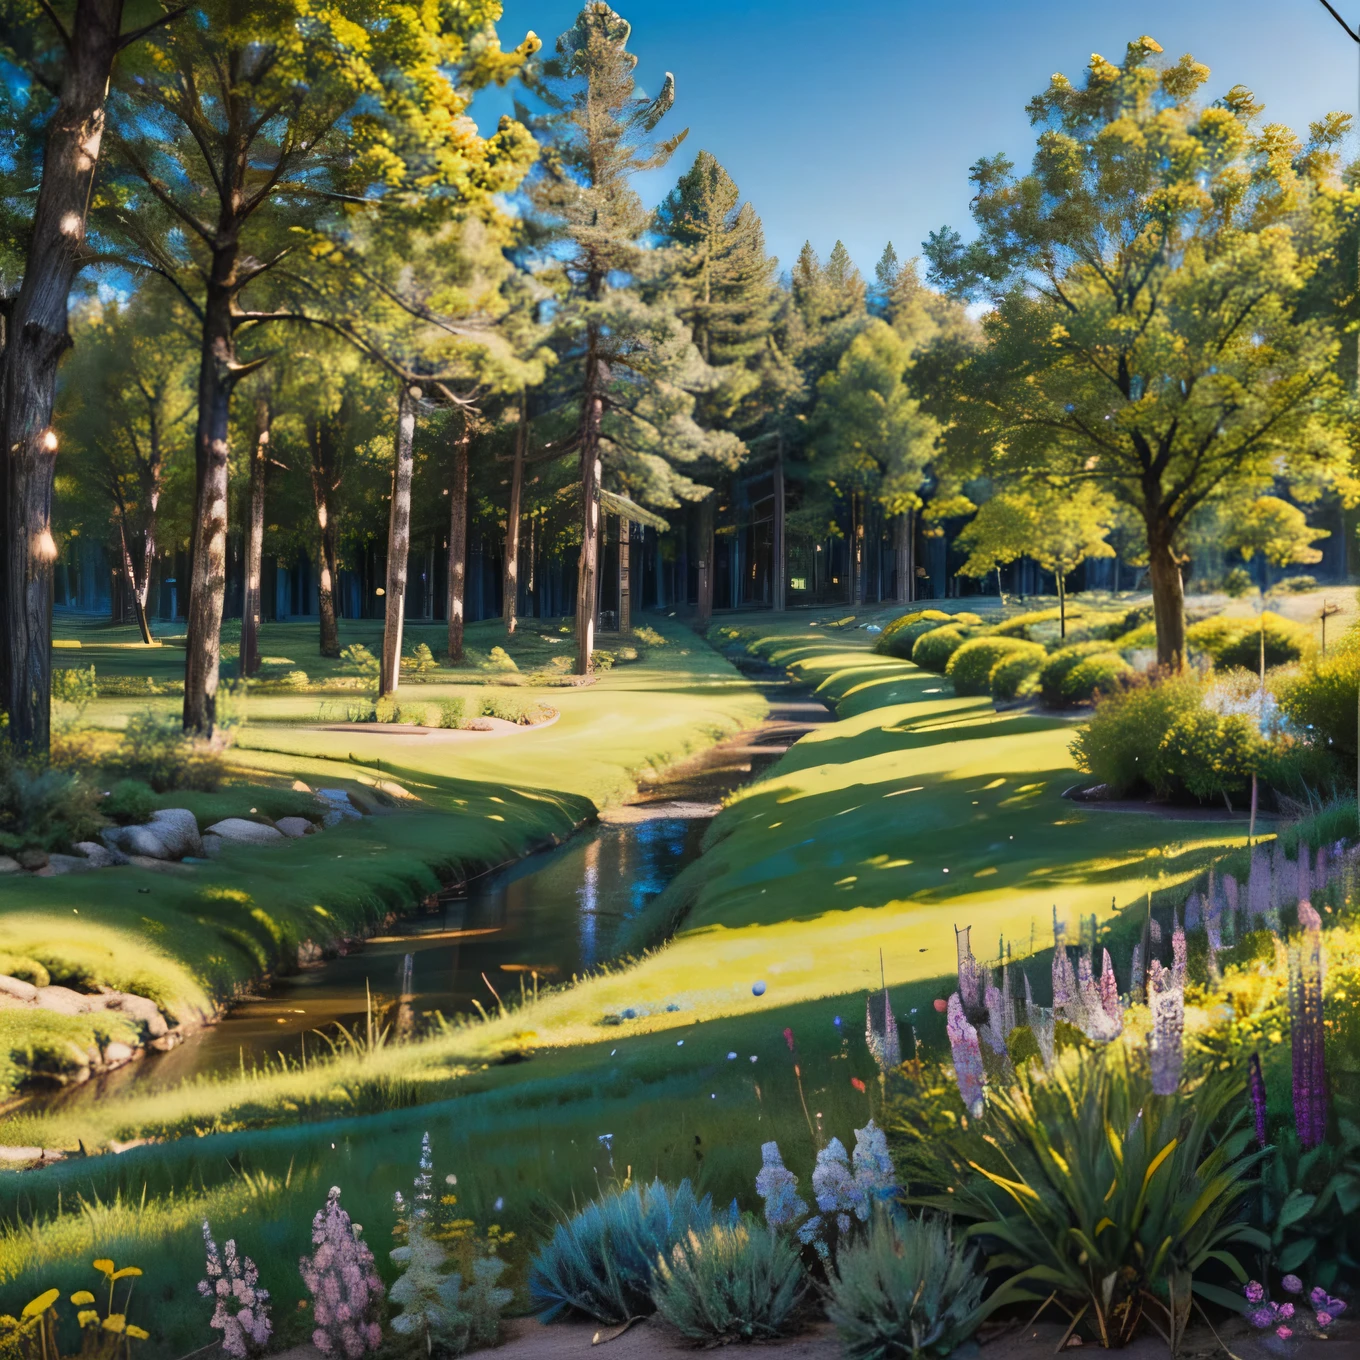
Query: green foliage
[441, 1313]
[933, 649]
[1054, 672]
[75, 688]
[1092, 1186]
[600, 1263]
[130, 801]
[420, 666]
[905, 1291]
[970, 665]
[1320, 698]
[731, 1282]
[453, 711]
[1286, 641]
[156, 750]
[1059, 529]
[603, 660]
[1296, 585]
[1274, 528]
[649, 635]
[1099, 673]
[500, 703]
[1016, 674]
[358, 660]
[1238, 583]
[899, 637]
[501, 660]
[44, 809]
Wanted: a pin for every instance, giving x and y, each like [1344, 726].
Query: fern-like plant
[736, 1282]
[599, 1263]
[905, 1290]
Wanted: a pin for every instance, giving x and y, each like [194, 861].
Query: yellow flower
[115, 1322]
[104, 1265]
[137, 1334]
[126, 1271]
[37, 1307]
[87, 1317]
[82, 1296]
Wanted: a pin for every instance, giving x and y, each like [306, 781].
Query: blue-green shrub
[898, 638]
[970, 666]
[1017, 673]
[932, 650]
[1100, 673]
[1053, 674]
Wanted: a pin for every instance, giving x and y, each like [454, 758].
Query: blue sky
[860, 122]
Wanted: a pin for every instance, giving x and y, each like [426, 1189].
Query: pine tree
[630, 369]
[886, 273]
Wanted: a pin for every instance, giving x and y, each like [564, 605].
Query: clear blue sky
[860, 121]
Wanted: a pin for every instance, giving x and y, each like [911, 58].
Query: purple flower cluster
[1165, 1044]
[242, 1307]
[880, 1031]
[1270, 1316]
[1256, 1083]
[1305, 1008]
[343, 1283]
[968, 1071]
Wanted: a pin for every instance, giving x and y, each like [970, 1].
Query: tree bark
[903, 554]
[208, 544]
[706, 546]
[398, 541]
[324, 485]
[510, 585]
[35, 339]
[593, 412]
[130, 575]
[1168, 599]
[857, 548]
[250, 612]
[779, 596]
[458, 523]
[625, 581]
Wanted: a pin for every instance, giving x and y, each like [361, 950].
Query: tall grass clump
[739, 1281]
[905, 1290]
[600, 1262]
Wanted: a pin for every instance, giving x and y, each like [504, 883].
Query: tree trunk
[208, 544]
[510, 585]
[324, 485]
[398, 541]
[35, 339]
[458, 523]
[593, 411]
[706, 547]
[1168, 600]
[1062, 605]
[902, 553]
[778, 595]
[250, 612]
[625, 581]
[130, 575]
[857, 548]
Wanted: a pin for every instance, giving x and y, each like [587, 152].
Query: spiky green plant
[1103, 1195]
[905, 1290]
[734, 1282]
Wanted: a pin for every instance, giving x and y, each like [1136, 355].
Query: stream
[545, 917]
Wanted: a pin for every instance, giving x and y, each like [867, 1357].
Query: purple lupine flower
[242, 1307]
[880, 1031]
[1258, 888]
[968, 1072]
[1279, 886]
[970, 975]
[1321, 874]
[1213, 925]
[1305, 875]
[1291, 1284]
[1262, 1318]
[1256, 1083]
[1232, 895]
[1066, 996]
[874, 1172]
[1109, 992]
[1254, 1291]
[343, 1283]
[1165, 1047]
[1154, 930]
[1178, 953]
[1306, 1016]
[776, 1185]
[997, 1026]
[1318, 1297]
[1137, 979]
[835, 1189]
[1041, 1025]
[1097, 1024]
[1194, 911]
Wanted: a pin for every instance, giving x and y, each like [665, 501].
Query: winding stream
[551, 914]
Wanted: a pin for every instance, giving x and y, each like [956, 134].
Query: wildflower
[775, 1185]
[1284, 1333]
[1261, 1318]
[1256, 1082]
[970, 979]
[1318, 1297]
[343, 1283]
[1194, 911]
[1291, 1284]
[788, 1039]
[1041, 1024]
[1109, 992]
[880, 1032]
[1178, 952]
[1254, 1292]
[874, 1171]
[1165, 1047]
[1324, 1319]
[963, 1040]
[1231, 895]
[858, 1084]
[835, 1188]
[1258, 888]
[242, 1311]
[1137, 980]
[1096, 1023]
[1306, 1015]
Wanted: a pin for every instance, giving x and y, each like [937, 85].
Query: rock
[10, 865]
[295, 826]
[136, 840]
[116, 1054]
[65, 864]
[251, 833]
[339, 807]
[309, 952]
[18, 988]
[159, 866]
[30, 1154]
[212, 845]
[99, 856]
[177, 829]
[140, 1008]
[63, 1001]
[300, 787]
[32, 859]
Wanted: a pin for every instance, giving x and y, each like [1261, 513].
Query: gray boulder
[10, 865]
[140, 1008]
[294, 826]
[135, 840]
[99, 856]
[17, 988]
[64, 1001]
[65, 864]
[212, 845]
[177, 829]
[338, 806]
[250, 833]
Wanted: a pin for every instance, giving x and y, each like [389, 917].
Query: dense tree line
[303, 309]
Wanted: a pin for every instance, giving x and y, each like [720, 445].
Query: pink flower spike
[1284, 1333]
[1324, 1319]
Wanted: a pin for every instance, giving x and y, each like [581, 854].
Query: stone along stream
[552, 914]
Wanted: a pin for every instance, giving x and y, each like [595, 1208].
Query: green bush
[1100, 673]
[599, 1263]
[601, 660]
[1237, 583]
[420, 666]
[733, 1282]
[1137, 639]
[970, 666]
[501, 660]
[907, 1289]
[453, 711]
[1286, 641]
[156, 750]
[966, 620]
[1083, 625]
[44, 809]
[1016, 675]
[130, 802]
[76, 688]
[1209, 755]
[1297, 585]
[1320, 698]
[360, 661]
[650, 636]
[1054, 672]
[932, 650]
[898, 638]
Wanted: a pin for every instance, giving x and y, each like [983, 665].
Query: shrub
[359, 661]
[1286, 641]
[898, 638]
[966, 620]
[1297, 585]
[1137, 639]
[970, 666]
[295, 680]
[1319, 699]
[76, 689]
[156, 750]
[1100, 673]
[932, 650]
[130, 801]
[600, 1262]
[601, 660]
[387, 710]
[650, 636]
[501, 660]
[1237, 583]
[1208, 754]
[1018, 669]
[732, 1282]
[1054, 672]
[44, 809]
[420, 665]
[453, 711]
[906, 1289]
